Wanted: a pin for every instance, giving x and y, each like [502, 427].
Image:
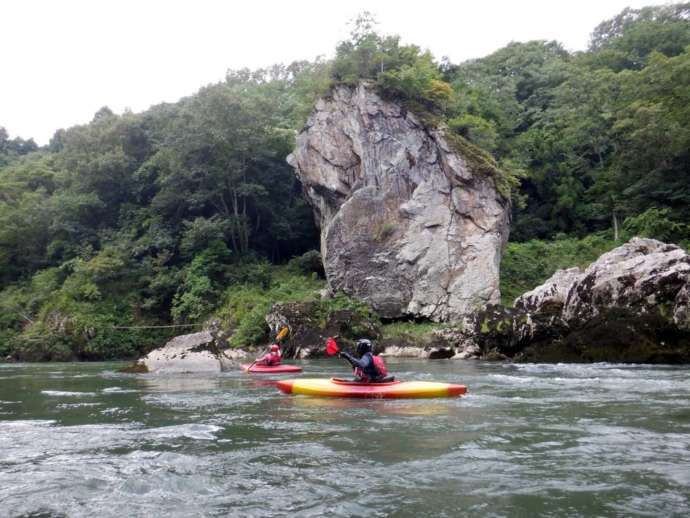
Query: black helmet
[363, 346]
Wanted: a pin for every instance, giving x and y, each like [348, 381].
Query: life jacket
[379, 366]
[273, 358]
[270, 359]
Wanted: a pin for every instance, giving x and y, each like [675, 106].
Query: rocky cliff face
[406, 224]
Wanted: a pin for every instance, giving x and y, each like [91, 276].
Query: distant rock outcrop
[631, 304]
[407, 224]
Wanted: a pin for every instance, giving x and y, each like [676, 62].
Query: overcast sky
[63, 60]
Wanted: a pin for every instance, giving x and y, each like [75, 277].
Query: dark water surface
[549, 440]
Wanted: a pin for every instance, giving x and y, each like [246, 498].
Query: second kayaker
[367, 368]
[270, 359]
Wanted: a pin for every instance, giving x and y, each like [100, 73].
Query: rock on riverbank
[630, 305]
[192, 353]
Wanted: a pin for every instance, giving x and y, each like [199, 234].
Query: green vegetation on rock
[246, 305]
[410, 329]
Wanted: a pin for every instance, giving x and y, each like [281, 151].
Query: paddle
[332, 347]
[279, 337]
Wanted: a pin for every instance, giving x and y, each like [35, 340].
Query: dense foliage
[147, 218]
[599, 136]
[179, 213]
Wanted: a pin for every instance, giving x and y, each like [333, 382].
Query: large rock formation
[550, 296]
[407, 223]
[630, 305]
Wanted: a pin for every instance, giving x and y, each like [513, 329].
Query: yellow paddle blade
[282, 333]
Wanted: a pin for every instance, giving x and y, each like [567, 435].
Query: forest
[188, 211]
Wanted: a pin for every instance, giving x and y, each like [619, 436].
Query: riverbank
[241, 314]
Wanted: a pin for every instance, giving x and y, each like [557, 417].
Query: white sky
[61, 60]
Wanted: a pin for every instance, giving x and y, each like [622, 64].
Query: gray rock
[681, 310]
[192, 353]
[630, 305]
[397, 351]
[405, 223]
[642, 276]
[551, 295]
[424, 353]
[470, 350]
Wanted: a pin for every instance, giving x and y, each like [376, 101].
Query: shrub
[656, 224]
[526, 265]
[477, 130]
[246, 305]
[307, 263]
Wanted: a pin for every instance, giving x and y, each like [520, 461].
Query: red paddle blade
[331, 347]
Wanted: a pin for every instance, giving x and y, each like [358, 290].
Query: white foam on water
[77, 405]
[118, 390]
[62, 393]
[205, 432]
[115, 411]
[507, 378]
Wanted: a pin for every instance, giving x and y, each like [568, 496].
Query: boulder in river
[409, 224]
[643, 278]
[192, 353]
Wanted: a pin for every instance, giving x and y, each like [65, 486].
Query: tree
[13, 148]
[625, 41]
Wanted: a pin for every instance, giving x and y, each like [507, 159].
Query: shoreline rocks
[630, 305]
[420, 352]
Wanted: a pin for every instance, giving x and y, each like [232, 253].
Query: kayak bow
[396, 389]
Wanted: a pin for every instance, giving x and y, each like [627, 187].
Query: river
[79, 439]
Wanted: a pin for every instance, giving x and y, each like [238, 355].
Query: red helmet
[275, 348]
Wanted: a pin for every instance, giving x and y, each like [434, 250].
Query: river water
[549, 440]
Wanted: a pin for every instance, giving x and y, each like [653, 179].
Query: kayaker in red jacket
[270, 359]
[367, 368]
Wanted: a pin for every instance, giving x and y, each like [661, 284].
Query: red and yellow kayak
[394, 389]
[264, 369]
